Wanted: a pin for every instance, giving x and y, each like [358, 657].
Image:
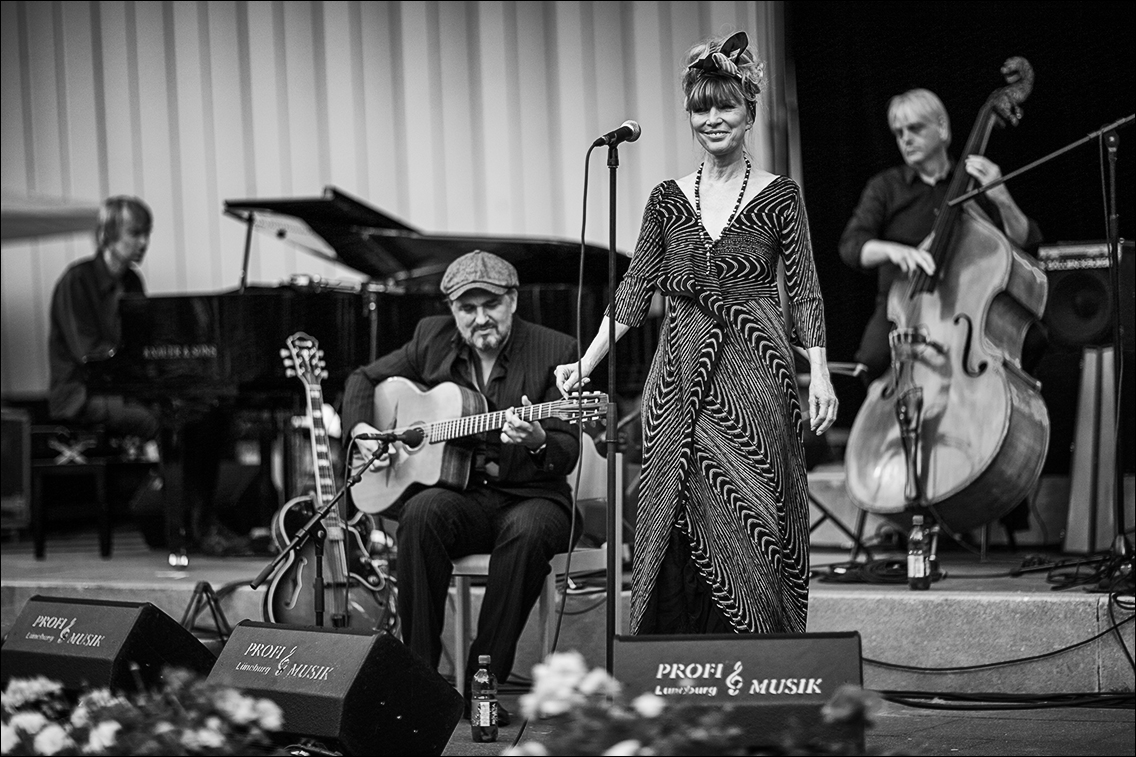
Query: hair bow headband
[725, 59]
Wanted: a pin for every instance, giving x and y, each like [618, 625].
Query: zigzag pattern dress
[724, 461]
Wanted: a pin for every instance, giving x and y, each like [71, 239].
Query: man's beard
[487, 339]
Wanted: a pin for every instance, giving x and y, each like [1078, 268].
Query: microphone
[629, 132]
[411, 437]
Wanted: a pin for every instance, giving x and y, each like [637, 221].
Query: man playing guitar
[507, 493]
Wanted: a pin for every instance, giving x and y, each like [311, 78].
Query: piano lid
[346, 230]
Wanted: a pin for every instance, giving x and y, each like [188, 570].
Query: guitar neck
[321, 455]
[442, 431]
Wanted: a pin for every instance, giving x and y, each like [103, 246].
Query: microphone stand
[315, 530]
[611, 439]
[1121, 549]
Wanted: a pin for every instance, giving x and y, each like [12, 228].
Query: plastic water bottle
[483, 707]
[918, 555]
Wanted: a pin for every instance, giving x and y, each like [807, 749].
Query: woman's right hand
[568, 378]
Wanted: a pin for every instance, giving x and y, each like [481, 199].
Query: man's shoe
[219, 541]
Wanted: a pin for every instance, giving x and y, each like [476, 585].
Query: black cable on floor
[940, 700]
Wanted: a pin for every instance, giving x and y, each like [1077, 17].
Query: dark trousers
[439, 525]
[120, 416]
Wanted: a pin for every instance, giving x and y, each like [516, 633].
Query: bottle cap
[483, 659]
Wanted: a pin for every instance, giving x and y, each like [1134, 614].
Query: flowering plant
[592, 717]
[188, 716]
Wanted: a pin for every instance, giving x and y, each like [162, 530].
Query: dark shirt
[898, 206]
[85, 325]
[437, 354]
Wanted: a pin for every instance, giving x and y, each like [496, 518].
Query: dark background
[851, 58]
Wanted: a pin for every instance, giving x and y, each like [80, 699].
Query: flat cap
[479, 270]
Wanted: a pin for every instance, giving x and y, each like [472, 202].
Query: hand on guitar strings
[520, 431]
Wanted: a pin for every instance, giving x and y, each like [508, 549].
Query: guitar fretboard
[442, 431]
[321, 452]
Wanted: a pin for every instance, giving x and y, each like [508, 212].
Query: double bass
[955, 428]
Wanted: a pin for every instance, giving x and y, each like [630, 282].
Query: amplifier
[1082, 304]
[1074, 256]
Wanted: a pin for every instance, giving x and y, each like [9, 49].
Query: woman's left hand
[822, 402]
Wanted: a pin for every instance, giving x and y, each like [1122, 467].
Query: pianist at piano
[85, 324]
[86, 329]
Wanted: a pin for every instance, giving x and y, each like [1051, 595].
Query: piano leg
[173, 476]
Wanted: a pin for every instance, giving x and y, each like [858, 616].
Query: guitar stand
[314, 527]
[858, 544]
[204, 596]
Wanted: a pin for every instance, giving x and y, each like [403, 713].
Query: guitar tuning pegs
[290, 372]
[283, 352]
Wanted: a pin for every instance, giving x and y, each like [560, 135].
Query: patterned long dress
[723, 430]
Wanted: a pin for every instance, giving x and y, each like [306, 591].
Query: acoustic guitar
[355, 593]
[441, 415]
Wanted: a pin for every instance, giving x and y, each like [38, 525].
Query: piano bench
[64, 452]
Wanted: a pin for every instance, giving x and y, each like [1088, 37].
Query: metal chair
[584, 560]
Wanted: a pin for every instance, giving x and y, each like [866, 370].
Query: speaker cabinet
[86, 643]
[771, 686]
[358, 691]
[1080, 309]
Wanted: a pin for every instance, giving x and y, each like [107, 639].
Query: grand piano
[186, 353]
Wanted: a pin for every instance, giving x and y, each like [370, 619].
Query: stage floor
[1029, 623]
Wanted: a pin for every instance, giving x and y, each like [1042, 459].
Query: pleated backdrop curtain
[454, 117]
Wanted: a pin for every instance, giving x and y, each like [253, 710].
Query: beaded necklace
[698, 203]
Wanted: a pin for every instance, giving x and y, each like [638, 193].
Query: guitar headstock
[304, 359]
[581, 408]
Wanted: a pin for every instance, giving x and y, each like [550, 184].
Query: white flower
[598, 681]
[23, 690]
[269, 716]
[52, 739]
[202, 738]
[240, 709]
[626, 747]
[103, 736]
[8, 738]
[28, 722]
[649, 705]
[555, 685]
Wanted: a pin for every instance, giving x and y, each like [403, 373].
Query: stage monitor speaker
[89, 643]
[771, 686]
[359, 692]
[1080, 306]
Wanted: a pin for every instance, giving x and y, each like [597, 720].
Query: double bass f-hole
[982, 365]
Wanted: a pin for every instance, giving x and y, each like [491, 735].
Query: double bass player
[889, 228]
